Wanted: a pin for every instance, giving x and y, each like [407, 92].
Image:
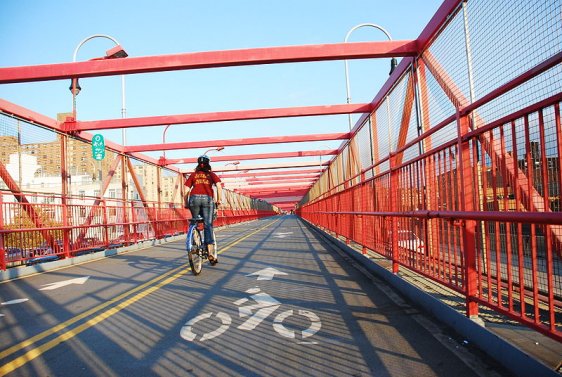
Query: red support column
[467, 191]
[134, 222]
[124, 198]
[363, 188]
[2, 249]
[394, 208]
[105, 222]
[65, 177]
[159, 213]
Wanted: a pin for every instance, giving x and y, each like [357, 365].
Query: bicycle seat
[197, 219]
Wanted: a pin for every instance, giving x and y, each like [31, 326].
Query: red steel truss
[468, 194]
[213, 59]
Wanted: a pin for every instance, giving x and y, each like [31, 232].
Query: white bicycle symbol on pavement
[263, 307]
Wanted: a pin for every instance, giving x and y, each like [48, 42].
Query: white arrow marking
[59, 284]
[267, 273]
[16, 301]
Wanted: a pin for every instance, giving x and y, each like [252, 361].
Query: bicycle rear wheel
[194, 250]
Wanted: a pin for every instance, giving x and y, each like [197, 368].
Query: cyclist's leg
[209, 234]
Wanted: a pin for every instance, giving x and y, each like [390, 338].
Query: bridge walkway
[282, 301]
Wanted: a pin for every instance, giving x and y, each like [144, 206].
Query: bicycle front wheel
[194, 250]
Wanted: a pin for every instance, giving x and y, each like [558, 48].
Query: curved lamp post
[218, 149]
[235, 163]
[114, 53]
[393, 61]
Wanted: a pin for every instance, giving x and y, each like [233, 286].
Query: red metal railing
[470, 214]
[463, 178]
[90, 228]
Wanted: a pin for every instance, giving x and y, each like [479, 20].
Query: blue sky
[43, 32]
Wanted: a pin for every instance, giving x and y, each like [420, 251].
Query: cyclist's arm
[218, 193]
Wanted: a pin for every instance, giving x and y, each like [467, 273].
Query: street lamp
[393, 61]
[218, 149]
[116, 52]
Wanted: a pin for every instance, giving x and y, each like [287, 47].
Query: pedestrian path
[282, 301]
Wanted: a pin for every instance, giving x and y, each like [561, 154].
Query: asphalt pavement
[280, 302]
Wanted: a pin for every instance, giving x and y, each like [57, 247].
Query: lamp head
[74, 90]
[116, 53]
[393, 64]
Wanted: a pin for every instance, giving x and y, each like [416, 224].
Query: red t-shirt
[202, 183]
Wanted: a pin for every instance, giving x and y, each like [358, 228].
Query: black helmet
[204, 159]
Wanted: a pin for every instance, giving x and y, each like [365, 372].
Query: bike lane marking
[189, 335]
[162, 280]
[315, 324]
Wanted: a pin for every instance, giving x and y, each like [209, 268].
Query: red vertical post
[105, 230]
[159, 213]
[363, 187]
[349, 226]
[467, 191]
[2, 247]
[134, 221]
[65, 176]
[393, 199]
[124, 198]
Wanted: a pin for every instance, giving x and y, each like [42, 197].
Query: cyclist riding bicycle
[201, 198]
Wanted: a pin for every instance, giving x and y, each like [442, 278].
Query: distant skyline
[47, 32]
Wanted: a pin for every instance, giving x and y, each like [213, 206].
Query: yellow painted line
[32, 354]
[36, 352]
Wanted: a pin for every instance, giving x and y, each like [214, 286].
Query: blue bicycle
[196, 247]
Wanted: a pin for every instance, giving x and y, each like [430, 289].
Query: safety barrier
[69, 230]
[456, 173]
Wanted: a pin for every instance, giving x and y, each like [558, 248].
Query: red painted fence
[456, 173]
[75, 229]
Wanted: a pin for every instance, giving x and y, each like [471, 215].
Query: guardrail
[456, 174]
[70, 230]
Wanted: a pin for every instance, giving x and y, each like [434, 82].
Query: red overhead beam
[280, 178]
[236, 142]
[273, 190]
[218, 117]
[287, 200]
[258, 156]
[271, 166]
[209, 59]
[259, 186]
[270, 173]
